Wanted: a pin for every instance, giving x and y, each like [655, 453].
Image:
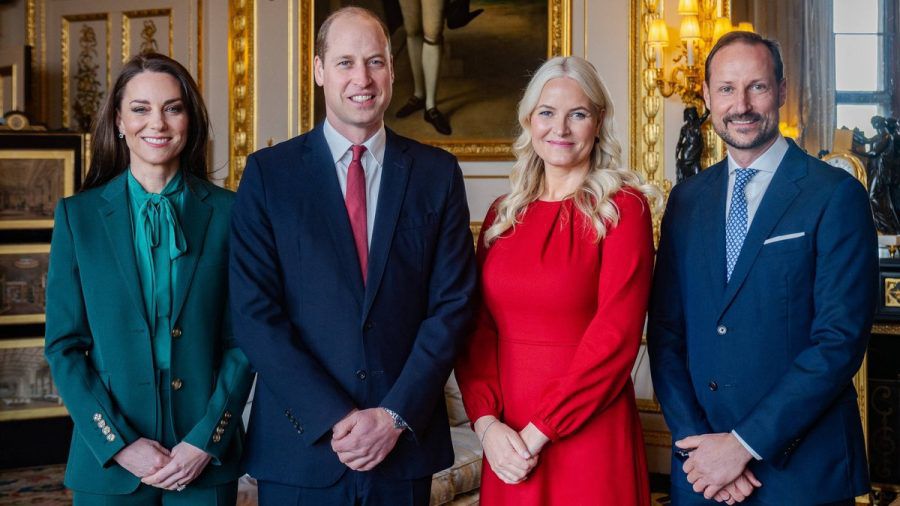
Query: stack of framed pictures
[36, 170]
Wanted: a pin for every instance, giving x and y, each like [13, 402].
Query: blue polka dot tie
[736, 226]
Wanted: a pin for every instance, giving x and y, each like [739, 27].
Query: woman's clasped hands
[162, 468]
[512, 455]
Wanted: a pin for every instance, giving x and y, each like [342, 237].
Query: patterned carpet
[43, 486]
[34, 485]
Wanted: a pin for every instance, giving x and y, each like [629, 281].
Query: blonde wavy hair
[605, 175]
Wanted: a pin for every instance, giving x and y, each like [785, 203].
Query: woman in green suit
[138, 332]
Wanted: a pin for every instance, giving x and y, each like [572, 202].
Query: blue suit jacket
[322, 342]
[771, 353]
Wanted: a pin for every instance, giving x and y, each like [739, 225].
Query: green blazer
[98, 339]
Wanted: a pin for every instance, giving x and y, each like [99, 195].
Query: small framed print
[36, 170]
[23, 283]
[26, 389]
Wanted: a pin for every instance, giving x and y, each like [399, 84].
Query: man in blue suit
[763, 300]
[353, 270]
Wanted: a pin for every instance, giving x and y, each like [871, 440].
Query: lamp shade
[745, 26]
[722, 26]
[659, 33]
[688, 7]
[690, 28]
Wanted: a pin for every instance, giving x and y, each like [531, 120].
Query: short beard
[764, 136]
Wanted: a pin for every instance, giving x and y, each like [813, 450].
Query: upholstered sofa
[455, 486]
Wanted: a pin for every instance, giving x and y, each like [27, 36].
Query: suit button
[369, 326]
[176, 332]
[227, 415]
[216, 438]
[713, 386]
[721, 330]
[177, 384]
[361, 374]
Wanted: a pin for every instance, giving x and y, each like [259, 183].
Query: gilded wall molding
[86, 72]
[559, 36]
[127, 18]
[306, 51]
[240, 87]
[30, 33]
[647, 132]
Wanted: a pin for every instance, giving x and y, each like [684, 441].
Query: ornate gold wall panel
[54, 30]
[240, 87]
[143, 28]
[647, 132]
[90, 50]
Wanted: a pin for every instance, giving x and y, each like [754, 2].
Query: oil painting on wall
[480, 59]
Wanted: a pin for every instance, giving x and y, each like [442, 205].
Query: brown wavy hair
[110, 155]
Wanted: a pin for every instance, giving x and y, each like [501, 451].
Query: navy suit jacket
[771, 353]
[321, 341]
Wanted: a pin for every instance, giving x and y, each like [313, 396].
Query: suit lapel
[319, 175]
[116, 219]
[779, 195]
[194, 222]
[710, 211]
[394, 176]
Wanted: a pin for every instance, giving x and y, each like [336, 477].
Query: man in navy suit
[763, 300]
[352, 271]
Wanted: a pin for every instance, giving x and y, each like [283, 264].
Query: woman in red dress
[566, 259]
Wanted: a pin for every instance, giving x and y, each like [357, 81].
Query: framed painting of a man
[460, 66]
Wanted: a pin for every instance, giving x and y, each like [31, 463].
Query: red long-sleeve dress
[559, 328]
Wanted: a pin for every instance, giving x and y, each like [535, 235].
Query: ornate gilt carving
[646, 153]
[240, 87]
[148, 33]
[88, 89]
[148, 38]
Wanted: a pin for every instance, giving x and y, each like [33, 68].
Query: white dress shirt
[766, 164]
[372, 161]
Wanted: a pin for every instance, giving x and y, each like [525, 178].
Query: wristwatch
[398, 421]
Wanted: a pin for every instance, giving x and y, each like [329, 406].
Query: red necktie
[356, 207]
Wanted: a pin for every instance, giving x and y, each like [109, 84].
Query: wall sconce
[702, 24]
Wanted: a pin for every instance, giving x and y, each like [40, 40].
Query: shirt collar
[172, 188]
[340, 145]
[768, 161]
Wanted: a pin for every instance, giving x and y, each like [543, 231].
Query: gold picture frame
[23, 283]
[37, 168]
[26, 389]
[559, 42]
[34, 180]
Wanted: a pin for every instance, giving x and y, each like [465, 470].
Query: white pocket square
[784, 237]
